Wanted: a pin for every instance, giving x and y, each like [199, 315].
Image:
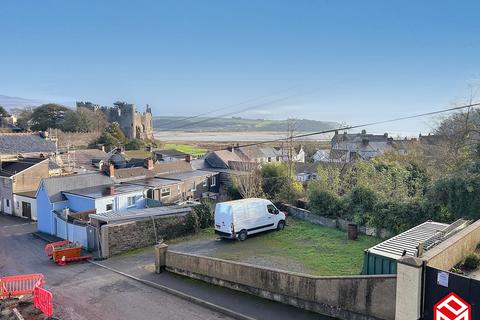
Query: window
[269, 159]
[271, 209]
[164, 192]
[194, 187]
[8, 202]
[131, 201]
[109, 207]
[205, 182]
[214, 181]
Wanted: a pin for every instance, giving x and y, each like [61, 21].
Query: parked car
[240, 218]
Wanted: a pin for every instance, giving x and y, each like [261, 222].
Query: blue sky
[352, 61]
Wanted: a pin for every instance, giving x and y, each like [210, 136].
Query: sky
[346, 61]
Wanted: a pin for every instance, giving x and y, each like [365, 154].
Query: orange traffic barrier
[51, 246]
[43, 300]
[67, 253]
[18, 285]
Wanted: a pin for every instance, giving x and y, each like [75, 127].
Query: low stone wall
[334, 223]
[451, 251]
[120, 237]
[352, 297]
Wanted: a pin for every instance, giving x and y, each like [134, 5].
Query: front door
[27, 210]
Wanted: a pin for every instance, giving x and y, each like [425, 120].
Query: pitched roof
[306, 167]
[189, 174]
[171, 167]
[102, 191]
[126, 174]
[11, 168]
[221, 158]
[249, 153]
[84, 157]
[55, 185]
[14, 143]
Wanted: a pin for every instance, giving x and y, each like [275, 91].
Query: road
[83, 291]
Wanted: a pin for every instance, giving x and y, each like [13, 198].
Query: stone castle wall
[134, 124]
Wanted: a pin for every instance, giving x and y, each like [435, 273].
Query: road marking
[180, 294]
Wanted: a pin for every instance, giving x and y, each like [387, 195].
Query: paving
[84, 291]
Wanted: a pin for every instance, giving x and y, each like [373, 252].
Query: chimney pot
[149, 163]
[188, 158]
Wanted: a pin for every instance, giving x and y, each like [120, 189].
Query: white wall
[7, 209]
[120, 202]
[18, 210]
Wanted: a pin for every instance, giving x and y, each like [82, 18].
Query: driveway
[84, 291]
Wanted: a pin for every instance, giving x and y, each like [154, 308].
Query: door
[27, 210]
[439, 286]
[272, 217]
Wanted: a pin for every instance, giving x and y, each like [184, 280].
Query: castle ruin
[134, 124]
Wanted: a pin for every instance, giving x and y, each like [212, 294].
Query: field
[300, 247]
[192, 150]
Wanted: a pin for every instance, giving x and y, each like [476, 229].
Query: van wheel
[242, 235]
[280, 225]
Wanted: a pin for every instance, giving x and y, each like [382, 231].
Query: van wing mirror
[276, 211]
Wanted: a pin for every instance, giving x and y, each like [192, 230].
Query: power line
[228, 107]
[242, 110]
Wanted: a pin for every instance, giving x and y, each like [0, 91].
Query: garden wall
[352, 297]
[453, 250]
[334, 223]
[124, 236]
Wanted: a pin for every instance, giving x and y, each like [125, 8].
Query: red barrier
[51, 246]
[43, 300]
[18, 285]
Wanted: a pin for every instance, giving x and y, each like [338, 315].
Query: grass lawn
[193, 150]
[300, 247]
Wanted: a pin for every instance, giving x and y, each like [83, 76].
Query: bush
[324, 202]
[135, 144]
[191, 225]
[472, 261]
[204, 214]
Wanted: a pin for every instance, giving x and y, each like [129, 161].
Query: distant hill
[238, 124]
[17, 102]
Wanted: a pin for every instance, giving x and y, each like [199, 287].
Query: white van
[240, 218]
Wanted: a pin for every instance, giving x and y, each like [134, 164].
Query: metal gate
[439, 284]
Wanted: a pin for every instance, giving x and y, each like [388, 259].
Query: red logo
[452, 307]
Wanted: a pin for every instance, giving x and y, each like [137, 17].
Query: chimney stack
[188, 158]
[149, 163]
[364, 131]
[109, 169]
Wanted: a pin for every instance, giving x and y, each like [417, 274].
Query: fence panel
[43, 300]
[18, 285]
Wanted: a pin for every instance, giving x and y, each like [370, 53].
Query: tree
[248, 182]
[50, 115]
[3, 112]
[24, 118]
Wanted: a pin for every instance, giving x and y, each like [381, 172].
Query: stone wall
[334, 223]
[121, 237]
[451, 251]
[352, 297]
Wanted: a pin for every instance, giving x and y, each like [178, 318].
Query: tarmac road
[84, 291]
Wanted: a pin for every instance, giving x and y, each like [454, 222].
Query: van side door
[272, 214]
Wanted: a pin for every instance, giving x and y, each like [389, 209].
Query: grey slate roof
[221, 158]
[171, 153]
[14, 143]
[55, 185]
[11, 168]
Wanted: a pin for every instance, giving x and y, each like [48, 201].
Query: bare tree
[248, 180]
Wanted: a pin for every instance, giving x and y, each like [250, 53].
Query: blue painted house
[51, 201]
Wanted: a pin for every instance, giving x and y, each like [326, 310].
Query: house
[347, 147]
[19, 180]
[106, 198]
[170, 155]
[222, 159]
[88, 159]
[321, 156]
[51, 200]
[26, 144]
[306, 171]
[163, 191]
[196, 184]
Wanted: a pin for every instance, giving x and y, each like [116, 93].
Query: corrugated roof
[408, 240]
[55, 185]
[15, 143]
[11, 168]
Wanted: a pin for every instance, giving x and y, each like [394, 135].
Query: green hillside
[238, 124]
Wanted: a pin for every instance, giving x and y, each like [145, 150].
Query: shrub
[472, 261]
[324, 202]
[204, 214]
[191, 224]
